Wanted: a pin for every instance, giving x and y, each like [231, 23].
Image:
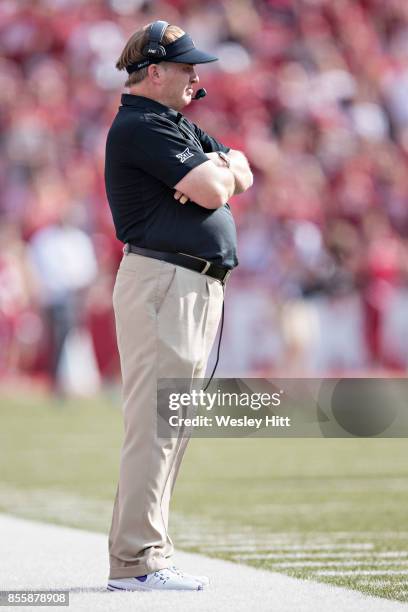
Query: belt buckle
[207, 264]
[205, 269]
[224, 280]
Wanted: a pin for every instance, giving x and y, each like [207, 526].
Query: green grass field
[329, 510]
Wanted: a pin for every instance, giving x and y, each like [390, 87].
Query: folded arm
[239, 167]
[212, 183]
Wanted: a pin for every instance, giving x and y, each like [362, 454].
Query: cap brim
[194, 56]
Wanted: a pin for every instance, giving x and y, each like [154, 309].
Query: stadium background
[315, 92]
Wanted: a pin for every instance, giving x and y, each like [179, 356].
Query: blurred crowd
[315, 92]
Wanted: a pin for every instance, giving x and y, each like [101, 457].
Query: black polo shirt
[149, 149]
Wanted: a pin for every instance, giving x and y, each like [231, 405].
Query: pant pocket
[167, 278]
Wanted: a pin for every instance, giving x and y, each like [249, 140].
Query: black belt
[198, 264]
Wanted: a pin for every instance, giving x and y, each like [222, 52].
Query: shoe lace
[162, 576]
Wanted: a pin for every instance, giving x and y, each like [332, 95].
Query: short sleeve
[209, 143]
[160, 149]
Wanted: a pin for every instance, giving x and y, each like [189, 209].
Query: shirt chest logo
[186, 154]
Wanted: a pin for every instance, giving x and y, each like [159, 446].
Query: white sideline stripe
[319, 555]
[338, 563]
[304, 547]
[38, 556]
[381, 583]
[231, 541]
[363, 573]
[304, 552]
[292, 535]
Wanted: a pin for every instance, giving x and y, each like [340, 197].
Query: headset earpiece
[154, 49]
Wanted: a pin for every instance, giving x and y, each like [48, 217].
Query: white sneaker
[162, 580]
[204, 580]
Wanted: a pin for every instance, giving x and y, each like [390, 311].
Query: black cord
[219, 341]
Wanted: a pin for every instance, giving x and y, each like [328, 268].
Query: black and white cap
[182, 51]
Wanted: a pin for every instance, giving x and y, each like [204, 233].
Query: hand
[180, 197]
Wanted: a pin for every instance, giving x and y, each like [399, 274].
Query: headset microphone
[201, 93]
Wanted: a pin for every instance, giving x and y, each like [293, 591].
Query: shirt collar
[150, 105]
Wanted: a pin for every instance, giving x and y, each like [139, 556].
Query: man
[167, 187]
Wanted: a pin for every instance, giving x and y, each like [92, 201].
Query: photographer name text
[228, 421]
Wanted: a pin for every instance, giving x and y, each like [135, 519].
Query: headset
[154, 49]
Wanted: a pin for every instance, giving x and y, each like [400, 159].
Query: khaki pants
[166, 322]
